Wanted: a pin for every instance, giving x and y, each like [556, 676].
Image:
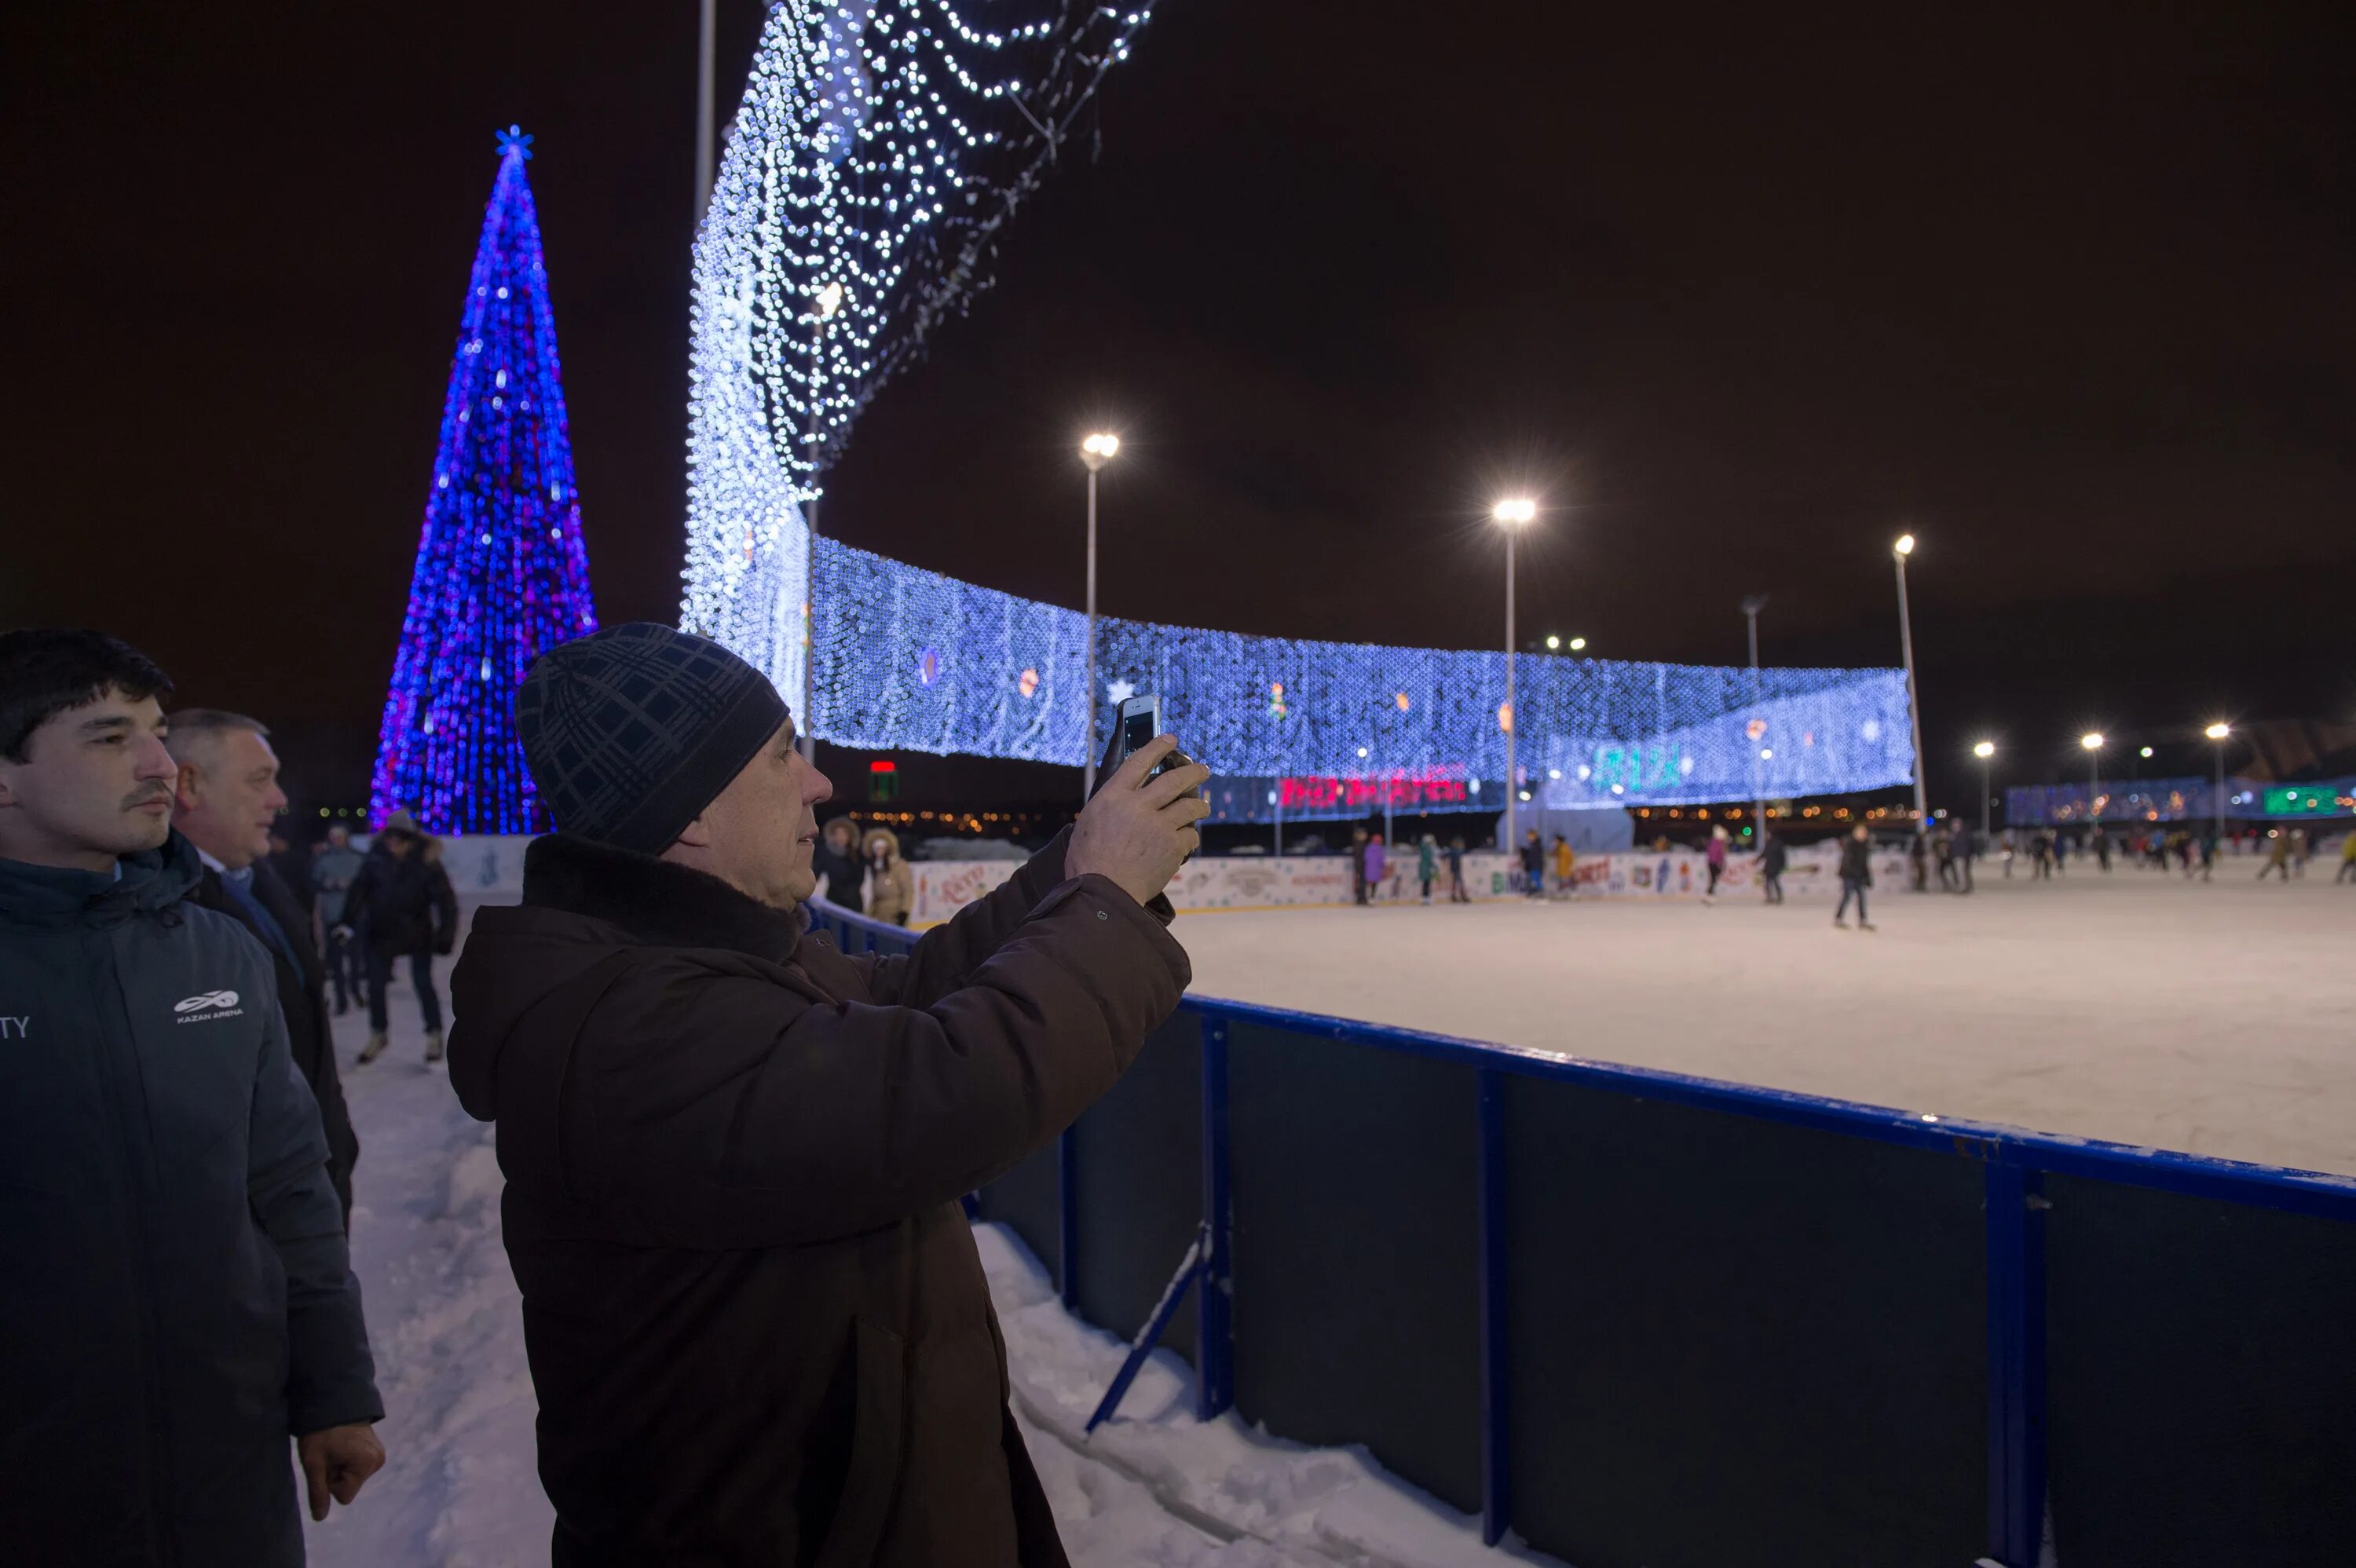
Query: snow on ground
[1154, 1489]
[2216, 1017]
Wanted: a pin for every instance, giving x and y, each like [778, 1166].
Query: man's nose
[155, 761]
[821, 788]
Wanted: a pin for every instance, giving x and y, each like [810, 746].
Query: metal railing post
[2016, 1369]
[1215, 1380]
[1496, 1450]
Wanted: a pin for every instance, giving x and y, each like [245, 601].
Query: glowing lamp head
[2218, 732]
[1985, 750]
[829, 300]
[1514, 511]
[1577, 645]
[2092, 741]
[1098, 450]
[1905, 545]
[2147, 751]
[1553, 643]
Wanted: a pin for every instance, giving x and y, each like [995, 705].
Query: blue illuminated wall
[501, 574]
[910, 660]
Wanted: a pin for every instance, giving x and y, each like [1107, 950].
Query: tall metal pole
[809, 532]
[1088, 786]
[1751, 608]
[2219, 802]
[1513, 844]
[1984, 788]
[1913, 702]
[707, 47]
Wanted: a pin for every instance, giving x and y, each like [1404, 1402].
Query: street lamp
[1513, 514]
[2217, 733]
[1579, 644]
[1096, 451]
[2092, 741]
[1983, 751]
[823, 304]
[1899, 553]
[1751, 605]
[1553, 643]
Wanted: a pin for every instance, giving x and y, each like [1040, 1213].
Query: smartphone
[1138, 721]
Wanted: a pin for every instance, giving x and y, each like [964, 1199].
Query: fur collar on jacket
[661, 904]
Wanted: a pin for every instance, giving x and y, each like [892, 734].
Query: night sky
[1741, 296]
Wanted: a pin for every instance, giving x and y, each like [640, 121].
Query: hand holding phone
[1139, 827]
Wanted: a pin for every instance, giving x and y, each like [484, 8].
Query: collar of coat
[660, 904]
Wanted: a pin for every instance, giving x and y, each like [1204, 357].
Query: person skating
[1943, 852]
[1773, 860]
[332, 869]
[178, 1303]
[1918, 858]
[1533, 865]
[2346, 872]
[890, 885]
[758, 1326]
[401, 906]
[2103, 850]
[1714, 857]
[1566, 862]
[1427, 864]
[1377, 864]
[1856, 876]
[1966, 849]
[1358, 865]
[1457, 892]
[2277, 856]
[836, 860]
[225, 798]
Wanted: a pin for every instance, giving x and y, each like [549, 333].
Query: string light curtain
[912, 660]
[501, 573]
[879, 148]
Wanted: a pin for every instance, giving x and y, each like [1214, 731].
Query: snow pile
[1278, 1501]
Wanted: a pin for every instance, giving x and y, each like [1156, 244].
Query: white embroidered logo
[207, 1006]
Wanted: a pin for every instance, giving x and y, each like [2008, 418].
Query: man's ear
[185, 792]
[696, 834]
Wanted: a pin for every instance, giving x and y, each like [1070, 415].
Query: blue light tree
[501, 572]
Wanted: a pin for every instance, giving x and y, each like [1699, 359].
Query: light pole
[827, 301]
[1899, 553]
[1751, 605]
[706, 47]
[1983, 751]
[2217, 733]
[1513, 514]
[2092, 741]
[1096, 451]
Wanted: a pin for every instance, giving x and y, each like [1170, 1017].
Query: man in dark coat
[1857, 874]
[176, 1300]
[841, 874]
[225, 799]
[401, 906]
[758, 1326]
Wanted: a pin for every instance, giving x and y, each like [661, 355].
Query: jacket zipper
[161, 1539]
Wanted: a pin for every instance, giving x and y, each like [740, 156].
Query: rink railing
[1846, 1309]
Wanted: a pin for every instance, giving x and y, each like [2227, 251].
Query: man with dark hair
[758, 1326]
[401, 906]
[226, 799]
[179, 1299]
[333, 867]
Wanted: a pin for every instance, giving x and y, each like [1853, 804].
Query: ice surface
[2217, 1018]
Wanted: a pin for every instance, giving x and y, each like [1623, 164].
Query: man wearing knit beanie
[757, 1325]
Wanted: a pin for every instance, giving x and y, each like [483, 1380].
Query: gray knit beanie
[631, 732]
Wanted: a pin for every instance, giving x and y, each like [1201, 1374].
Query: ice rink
[2218, 1019]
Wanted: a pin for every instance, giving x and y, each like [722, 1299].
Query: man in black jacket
[226, 798]
[401, 905]
[758, 1326]
[176, 1299]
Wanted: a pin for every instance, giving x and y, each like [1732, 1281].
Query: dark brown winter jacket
[757, 1325]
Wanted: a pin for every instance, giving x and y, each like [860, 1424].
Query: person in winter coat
[1358, 865]
[1715, 856]
[1773, 860]
[225, 796]
[1533, 865]
[758, 1326]
[1856, 875]
[835, 861]
[1377, 862]
[890, 885]
[2278, 856]
[1427, 864]
[1457, 892]
[332, 871]
[1565, 861]
[401, 906]
[176, 1300]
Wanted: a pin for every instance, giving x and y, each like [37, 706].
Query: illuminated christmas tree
[501, 572]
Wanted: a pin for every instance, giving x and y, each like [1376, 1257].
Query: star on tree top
[513, 140]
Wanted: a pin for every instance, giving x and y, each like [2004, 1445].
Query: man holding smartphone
[757, 1323]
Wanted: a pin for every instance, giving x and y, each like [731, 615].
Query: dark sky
[2071, 296]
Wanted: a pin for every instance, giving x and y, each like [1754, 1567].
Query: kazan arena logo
[206, 1006]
